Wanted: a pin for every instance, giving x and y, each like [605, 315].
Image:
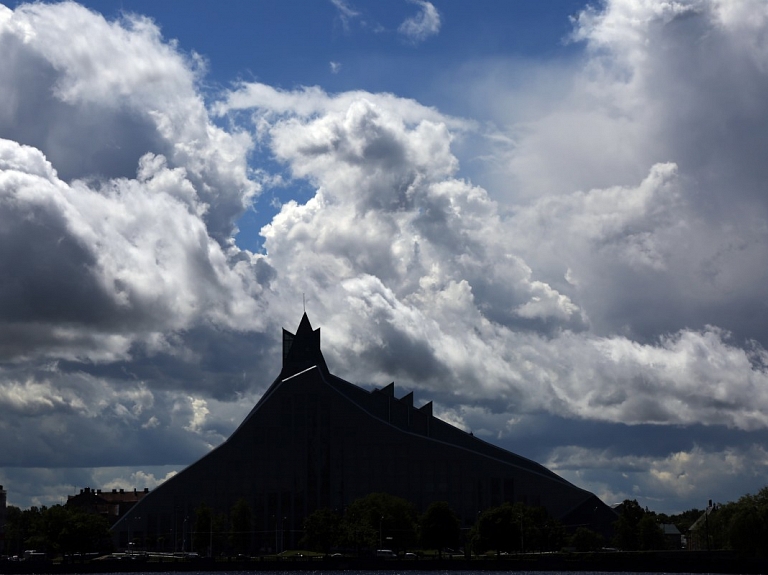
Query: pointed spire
[304, 326]
[302, 349]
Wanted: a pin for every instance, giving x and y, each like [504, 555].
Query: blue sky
[292, 44]
[288, 44]
[546, 217]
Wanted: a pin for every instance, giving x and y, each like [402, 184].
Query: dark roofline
[457, 436]
[364, 400]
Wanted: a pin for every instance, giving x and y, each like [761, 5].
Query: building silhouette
[314, 440]
[111, 505]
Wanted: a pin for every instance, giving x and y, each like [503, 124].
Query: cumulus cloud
[441, 299]
[118, 197]
[423, 25]
[681, 476]
[96, 267]
[656, 89]
[118, 193]
[66, 419]
[266, 103]
[600, 284]
[612, 276]
[110, 98]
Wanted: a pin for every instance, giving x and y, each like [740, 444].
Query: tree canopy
[380, 520]
[516, 527]
[56, 529]
[439, 527]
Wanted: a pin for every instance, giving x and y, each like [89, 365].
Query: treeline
[55, 530]
[380, 520]
[740, 525]
[376, 521]
[383, 521]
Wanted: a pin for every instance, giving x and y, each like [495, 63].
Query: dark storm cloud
[222, 364]
[666, 83]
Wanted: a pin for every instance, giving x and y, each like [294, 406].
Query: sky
[550, 218]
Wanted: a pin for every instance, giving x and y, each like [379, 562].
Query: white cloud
[265, 102]
[78, 394]
[108, 478]
[347, 13]
[95, 106]
[199, 408]
[423, 25]
[654, 90]
[426, 264]
[130, 258]
[689, 478]
[151, 423]
[611, 274]
[119, 194]
[118, 197]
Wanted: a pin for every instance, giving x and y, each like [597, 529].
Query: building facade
[314, 440]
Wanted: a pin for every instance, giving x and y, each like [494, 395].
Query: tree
[747, 531]
[541, 532]
[203, 532]
[322, 529]
[649, 533]
[517, 527]
[585, 539]
[23, 530]
[56, 529]
[626, 537]
[746, 522]
[498, 528]
[240, 532]
[439, 527]
[209, 530]
[379, 517]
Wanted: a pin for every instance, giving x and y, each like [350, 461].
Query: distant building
[673, 539]
[314, 440]
[112, 505]
[699, 537]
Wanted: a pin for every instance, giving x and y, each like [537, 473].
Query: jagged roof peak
[302, 349]
[305, 326]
